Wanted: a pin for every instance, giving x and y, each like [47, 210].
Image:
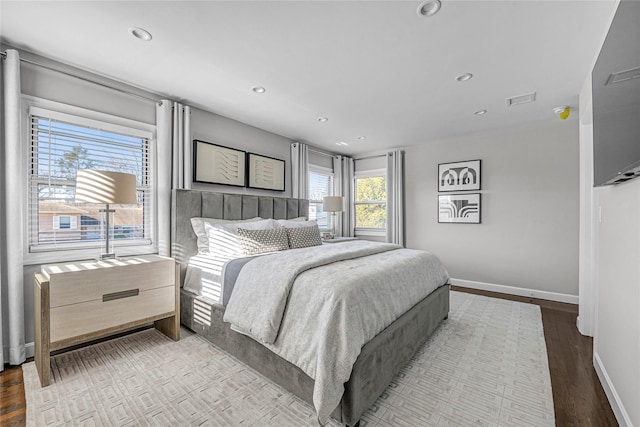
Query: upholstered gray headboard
[186, 204]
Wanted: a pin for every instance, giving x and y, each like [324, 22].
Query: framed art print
[215, 164]
[459, 176]
[459, 208]
[265, 173]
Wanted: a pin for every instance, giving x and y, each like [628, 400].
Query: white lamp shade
[105, 187]
[332, 204]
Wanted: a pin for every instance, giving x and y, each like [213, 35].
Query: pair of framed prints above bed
[216, 164]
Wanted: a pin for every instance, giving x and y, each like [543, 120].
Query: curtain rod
[126, 92]
[371, 157]
[322, 152]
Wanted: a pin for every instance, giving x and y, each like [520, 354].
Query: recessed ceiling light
[323, 119]
[141, 34]
[362, 137]
[341, 143]
[429, 7]
[258, 89]
[464, 77]
[480, 112]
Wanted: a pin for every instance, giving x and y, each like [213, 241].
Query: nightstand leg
[42, 343]
[171, 325]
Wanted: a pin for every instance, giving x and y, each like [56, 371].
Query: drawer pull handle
[119, 295]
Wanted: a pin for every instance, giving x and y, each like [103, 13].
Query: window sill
[49, 257]
[369, 232]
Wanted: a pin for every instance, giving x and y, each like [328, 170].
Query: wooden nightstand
[80, 301]
[339, 239]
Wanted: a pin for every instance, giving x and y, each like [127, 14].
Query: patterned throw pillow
[260, 241]
[198, 225]
[303, 237]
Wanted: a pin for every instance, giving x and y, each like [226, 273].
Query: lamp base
[107, 256]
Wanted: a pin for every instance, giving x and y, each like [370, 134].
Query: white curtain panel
[299, 170]
[173, 131]
[3, 240]
[182, 161]
[395, 197]
[11, 203]
[164, 134]
[343, 172]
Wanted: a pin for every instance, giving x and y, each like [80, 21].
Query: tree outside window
[371, 202]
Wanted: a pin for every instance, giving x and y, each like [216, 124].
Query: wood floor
[577, 394]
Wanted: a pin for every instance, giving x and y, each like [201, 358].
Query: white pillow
[293, 223]
[197, 223]
[223, 238]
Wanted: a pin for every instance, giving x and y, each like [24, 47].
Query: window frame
[44, 253]
[365, 231]
[322, 170]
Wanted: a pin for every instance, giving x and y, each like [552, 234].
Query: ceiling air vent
[521, 99]
[622, 76]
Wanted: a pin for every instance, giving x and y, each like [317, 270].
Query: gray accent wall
[530, 207]
[231, 133]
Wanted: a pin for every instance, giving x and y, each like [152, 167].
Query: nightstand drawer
[73, 321]
[69, 284]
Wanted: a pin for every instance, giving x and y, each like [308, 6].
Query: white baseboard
[614, 399]
[514, 290]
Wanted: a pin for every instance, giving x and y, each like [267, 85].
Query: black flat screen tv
[616, 100]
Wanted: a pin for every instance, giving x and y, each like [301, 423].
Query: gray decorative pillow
[260, 241]
[303, 237]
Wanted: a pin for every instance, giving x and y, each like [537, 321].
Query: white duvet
[316, 307]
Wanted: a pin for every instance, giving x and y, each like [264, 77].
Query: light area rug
[484, 366]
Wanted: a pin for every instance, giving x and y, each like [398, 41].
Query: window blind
[57, 150]
[320, 185]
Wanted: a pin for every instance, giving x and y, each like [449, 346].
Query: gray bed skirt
[379, 361]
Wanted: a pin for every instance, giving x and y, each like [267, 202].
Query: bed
[380, 358]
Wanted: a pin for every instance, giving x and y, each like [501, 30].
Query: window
[320, 185]
[60, 144]
[371, 201]
[65, 222]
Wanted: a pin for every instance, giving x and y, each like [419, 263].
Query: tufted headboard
[186, 204]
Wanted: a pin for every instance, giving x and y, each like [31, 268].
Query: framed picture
[215, 164]
[265, 173]
[459, 176]
[459, 208]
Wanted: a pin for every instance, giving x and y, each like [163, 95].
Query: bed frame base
[376, 366]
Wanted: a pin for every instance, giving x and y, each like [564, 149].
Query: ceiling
[374, 68]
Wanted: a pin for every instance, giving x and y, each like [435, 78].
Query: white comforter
[316, 307]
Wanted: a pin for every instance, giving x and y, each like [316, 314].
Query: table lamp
[108, 188]
[332, 204]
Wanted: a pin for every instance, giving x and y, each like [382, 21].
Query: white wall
[528, 239]
[610, 277]
[610, 274]
[617, 333]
